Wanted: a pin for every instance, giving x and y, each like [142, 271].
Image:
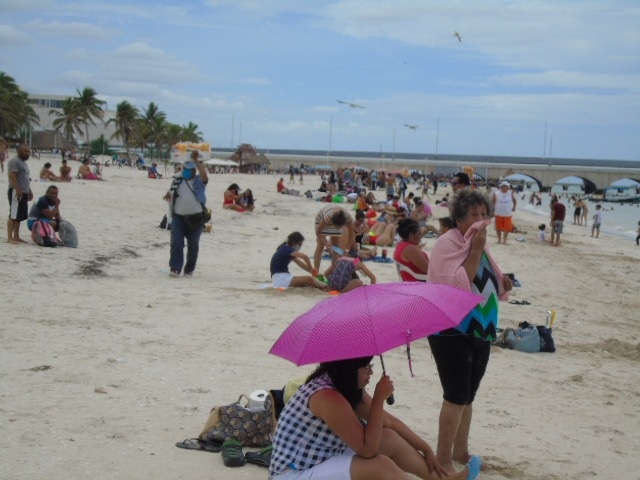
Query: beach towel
[449, 254]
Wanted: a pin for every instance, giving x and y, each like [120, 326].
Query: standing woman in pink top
[461, 258]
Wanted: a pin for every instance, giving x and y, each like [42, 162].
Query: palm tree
[15, 110]
[190, 133]
[90, 108]
[68, 119]
[125, 122]
[154, 123]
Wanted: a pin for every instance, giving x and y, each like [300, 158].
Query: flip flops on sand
[197, 444]
[518, 302]
[232, 454]
[261, 457]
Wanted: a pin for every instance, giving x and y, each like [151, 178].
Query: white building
[43, 103]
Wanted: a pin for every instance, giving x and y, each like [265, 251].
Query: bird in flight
[457, 35]
[411, 127]
[352, 105]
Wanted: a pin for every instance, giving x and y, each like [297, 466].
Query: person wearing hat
[504, 204]
[186, 202]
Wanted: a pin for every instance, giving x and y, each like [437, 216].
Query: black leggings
[462, 361]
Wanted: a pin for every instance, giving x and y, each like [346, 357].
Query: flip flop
[475, 464]
[197, 444]
[261, 457]
[232, 454]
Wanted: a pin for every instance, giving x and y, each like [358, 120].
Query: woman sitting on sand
[342, 275]
[287, 252]
[409, 255]
[47, 175]
[333, 429]
[231, 196]
[246, 201]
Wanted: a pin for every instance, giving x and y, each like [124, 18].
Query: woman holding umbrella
[333, 429]
[461, 258]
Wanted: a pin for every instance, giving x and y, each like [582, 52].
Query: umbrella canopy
[371, 320]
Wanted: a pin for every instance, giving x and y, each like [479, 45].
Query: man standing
[504, 204]
[19, 193]
[187, 198]
[558, 211]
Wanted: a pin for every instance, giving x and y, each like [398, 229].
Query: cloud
[77, 30]
[573, 80]
[12, 36]
[143, 63]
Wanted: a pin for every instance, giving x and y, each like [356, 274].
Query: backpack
[43, 234]
[68, 234]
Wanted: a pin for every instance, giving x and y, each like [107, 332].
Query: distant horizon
[429, 156]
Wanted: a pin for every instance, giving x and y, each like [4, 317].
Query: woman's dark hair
[234, 186]
[295, 237]
[344, 376]
[446, 222]
[406, 227]
[465, 199]
[248, 195]
[360, 214]
[339, 218]
[47, 165]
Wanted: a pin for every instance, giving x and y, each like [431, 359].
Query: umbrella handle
[390, 399]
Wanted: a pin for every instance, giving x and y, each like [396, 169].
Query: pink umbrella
[371, 320]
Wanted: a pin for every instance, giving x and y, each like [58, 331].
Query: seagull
[412, 127]
[457, 35]
[352, 105]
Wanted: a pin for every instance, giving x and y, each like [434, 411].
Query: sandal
[474, 465]
[232, 453]
[197, 444]
[261, 457]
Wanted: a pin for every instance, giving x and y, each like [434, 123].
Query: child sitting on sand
[342, 274]
[541, 233]
[285, 253]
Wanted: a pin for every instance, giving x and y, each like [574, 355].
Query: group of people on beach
[45, 209]
[340, 430]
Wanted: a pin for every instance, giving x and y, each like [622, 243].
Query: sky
[554, 78]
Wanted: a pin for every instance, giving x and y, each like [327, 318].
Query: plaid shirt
[303, 440]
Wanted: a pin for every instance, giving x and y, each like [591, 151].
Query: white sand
[107, 316]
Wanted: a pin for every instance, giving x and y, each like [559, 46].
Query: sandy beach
[106, 361]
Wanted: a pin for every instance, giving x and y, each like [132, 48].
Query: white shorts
[281, 280]
[335, 468]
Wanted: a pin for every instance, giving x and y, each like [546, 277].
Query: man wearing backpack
[19, 192]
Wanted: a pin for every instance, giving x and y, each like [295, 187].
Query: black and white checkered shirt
[303, 440]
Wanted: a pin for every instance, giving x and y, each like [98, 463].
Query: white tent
[221, 162]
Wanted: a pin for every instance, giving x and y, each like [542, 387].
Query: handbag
[251, 426]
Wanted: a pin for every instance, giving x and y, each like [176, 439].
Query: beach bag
[43, 234]
[68, 234]
[523, 339]
[251, 426]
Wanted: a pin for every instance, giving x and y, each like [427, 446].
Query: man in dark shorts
[19, 193]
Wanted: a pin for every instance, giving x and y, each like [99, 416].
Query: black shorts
[462, 361]
[18, 209]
